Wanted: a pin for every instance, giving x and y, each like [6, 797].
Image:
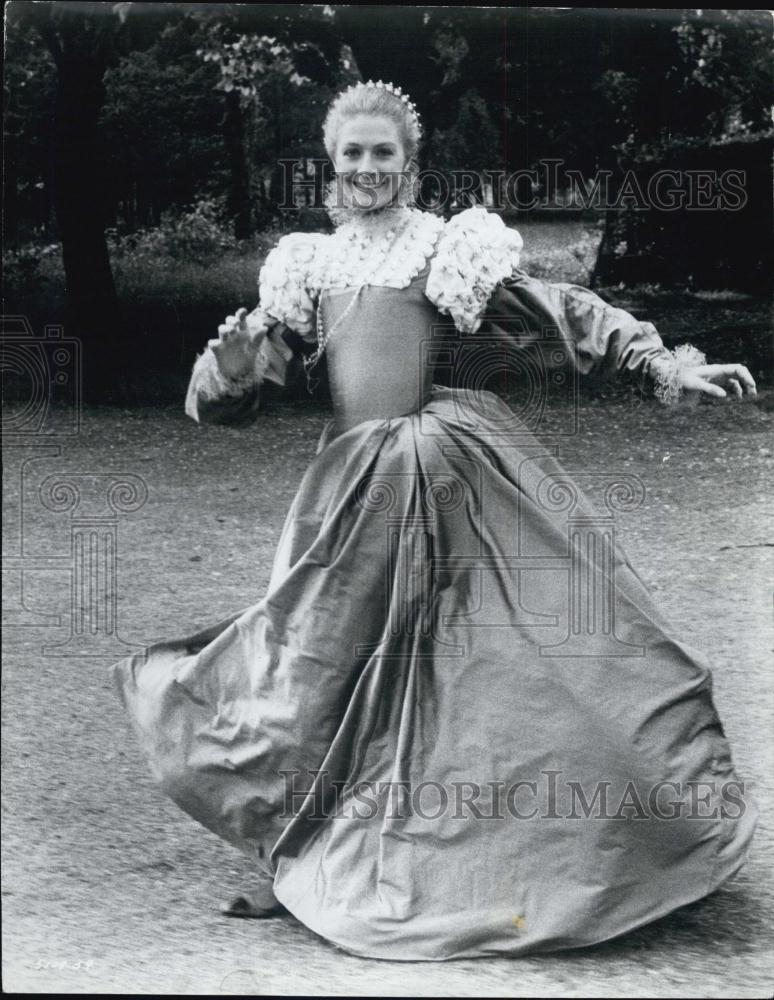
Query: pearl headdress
[396, 92]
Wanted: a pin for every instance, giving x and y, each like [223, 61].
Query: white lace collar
[387, 248]
[467, 258]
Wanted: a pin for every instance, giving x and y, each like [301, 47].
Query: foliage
[245, 63]
[29, 94]
[703, 78]
[725, 63]
[200, 103]
[196, 234]
[161, 128]
[472, 142]
[23, 276]
[277, 82]
[496, 87]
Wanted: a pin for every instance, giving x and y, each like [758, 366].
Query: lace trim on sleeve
[284, 281]
[667, 369]
[212, 384]
[476, 252]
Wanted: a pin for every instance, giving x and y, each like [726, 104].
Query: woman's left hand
[711, 379]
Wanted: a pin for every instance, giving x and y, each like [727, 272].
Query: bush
[191, 258]
[22, 278]
[190, 261]
[33, 279]
[198, 234]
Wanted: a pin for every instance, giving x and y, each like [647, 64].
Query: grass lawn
[108, 887]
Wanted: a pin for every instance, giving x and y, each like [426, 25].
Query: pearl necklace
[383, 246]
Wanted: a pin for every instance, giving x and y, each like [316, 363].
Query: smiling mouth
[365, 185]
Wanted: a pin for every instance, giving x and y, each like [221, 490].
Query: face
[369, 160]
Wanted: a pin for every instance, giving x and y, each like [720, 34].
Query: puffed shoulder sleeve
[598, 337]
[286, 281]
[286, 304]
[475, 252]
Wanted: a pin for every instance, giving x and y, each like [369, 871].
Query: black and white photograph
[387, 500]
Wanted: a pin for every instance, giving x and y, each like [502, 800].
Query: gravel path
[108, 887]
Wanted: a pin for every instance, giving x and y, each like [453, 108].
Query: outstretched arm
[476, 279]
[606, 339]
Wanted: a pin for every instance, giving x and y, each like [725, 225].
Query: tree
[471, 144]
[693, 95]
[275, 72]
[81, 42]
[28, 89]
[84, 40]
[160, 128]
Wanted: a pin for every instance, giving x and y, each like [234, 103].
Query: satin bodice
[379, 362]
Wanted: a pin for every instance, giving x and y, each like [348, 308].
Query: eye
[351, 151]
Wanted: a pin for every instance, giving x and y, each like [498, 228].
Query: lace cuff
[208, 383]
[213, 384]
[668, 368]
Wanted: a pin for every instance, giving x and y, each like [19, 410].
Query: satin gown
[456, 724]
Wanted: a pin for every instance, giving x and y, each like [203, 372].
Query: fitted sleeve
[596, 336]
[286, 304]
[476, 279]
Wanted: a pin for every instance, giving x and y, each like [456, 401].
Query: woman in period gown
[456, 724]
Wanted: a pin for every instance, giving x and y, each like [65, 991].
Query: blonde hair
[371, 100]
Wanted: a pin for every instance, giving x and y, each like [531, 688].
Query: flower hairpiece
[396, 92]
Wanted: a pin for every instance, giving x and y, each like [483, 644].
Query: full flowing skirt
[456, 724]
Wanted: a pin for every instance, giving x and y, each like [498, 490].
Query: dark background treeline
[142, 179]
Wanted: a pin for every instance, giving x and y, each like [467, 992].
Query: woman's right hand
[237, 345]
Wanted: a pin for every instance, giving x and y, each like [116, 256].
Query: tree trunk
[77, 182]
